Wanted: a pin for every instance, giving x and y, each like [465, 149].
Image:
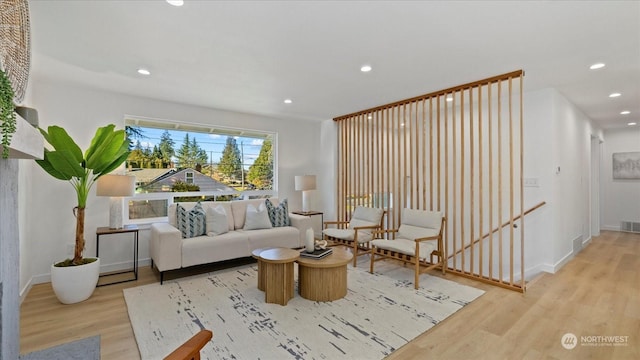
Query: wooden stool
[278, 274]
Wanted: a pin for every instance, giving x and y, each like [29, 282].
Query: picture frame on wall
[626, 165]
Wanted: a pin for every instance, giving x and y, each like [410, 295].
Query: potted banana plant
[74, 280]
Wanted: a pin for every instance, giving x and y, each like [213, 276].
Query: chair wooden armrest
[190, 350]
[435, 237]
[356, 228]
[334, 223]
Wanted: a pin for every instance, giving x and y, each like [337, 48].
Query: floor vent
[577, 244]
[630, 226]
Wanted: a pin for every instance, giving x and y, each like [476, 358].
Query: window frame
[147, 122]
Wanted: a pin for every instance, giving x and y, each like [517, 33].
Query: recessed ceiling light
[288, 101]
[631, 124]
[142, 71]
[612, 95]
[365, 68]
[449, 98]
[176, 2]
[596, 66]
[626, 112]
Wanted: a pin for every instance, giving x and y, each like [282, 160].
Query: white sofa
[169, 251]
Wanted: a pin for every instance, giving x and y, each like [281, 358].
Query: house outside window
[188, 177]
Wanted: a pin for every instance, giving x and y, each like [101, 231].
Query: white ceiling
[249, 56]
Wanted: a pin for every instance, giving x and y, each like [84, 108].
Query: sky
[213, 144]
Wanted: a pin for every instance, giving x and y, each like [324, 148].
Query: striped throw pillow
[191, 223]
[278, 215]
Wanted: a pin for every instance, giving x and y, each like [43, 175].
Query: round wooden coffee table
[277, 265]
[324, 279]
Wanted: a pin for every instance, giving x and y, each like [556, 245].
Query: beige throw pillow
[257, 218]
[217, 223]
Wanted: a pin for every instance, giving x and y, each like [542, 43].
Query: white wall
[620, 198]
[51, 225]
[570, 165]
[538, 115]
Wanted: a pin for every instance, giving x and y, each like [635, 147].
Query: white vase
[73, 284]
[309, 241]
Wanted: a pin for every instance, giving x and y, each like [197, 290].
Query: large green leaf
[63, 161]
[46, 165]
[114, 165]
[60, 140]
[119, 157]
[101, 135]
[110, 148]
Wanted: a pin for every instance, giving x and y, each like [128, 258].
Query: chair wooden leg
[371, 260]
[417, 278]
[355, 253]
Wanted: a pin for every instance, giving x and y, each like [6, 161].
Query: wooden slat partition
[457, 150]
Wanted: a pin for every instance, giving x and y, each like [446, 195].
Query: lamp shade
[116, 185]
[305, 182]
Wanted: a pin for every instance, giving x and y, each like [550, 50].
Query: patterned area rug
[381, 312]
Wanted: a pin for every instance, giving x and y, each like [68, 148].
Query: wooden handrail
[506, 223]
[443, 92]
[190, 350]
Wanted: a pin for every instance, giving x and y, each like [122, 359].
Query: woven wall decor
[15, 44]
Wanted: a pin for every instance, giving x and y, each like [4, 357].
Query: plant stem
[77, 256]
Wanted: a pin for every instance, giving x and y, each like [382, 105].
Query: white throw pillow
[217, 223]
[257, 218]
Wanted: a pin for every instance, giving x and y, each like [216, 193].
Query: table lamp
[305, 183]
[116, 187]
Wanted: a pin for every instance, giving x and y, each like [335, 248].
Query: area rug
[83, 349]
[381, 312]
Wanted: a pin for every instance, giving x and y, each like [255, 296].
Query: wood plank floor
[595, 294]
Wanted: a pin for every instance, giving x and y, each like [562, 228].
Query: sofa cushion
[208, 249]
[217, 223]
[286, 236]
[191, 223]
[278, 215]
[257, 218]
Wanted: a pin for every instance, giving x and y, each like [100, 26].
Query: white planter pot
[73, 284]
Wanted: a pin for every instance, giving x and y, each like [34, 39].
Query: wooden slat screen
[458, 150]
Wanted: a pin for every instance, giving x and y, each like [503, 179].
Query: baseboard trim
[610, 227]
[553, 268]
[46, 278]
[123, 265]
[25, 290]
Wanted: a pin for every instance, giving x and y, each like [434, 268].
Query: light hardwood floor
[595, 294]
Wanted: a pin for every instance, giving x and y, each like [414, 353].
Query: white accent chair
[358, 232]
[418, 239]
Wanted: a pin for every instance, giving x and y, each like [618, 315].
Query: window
[175, 161]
